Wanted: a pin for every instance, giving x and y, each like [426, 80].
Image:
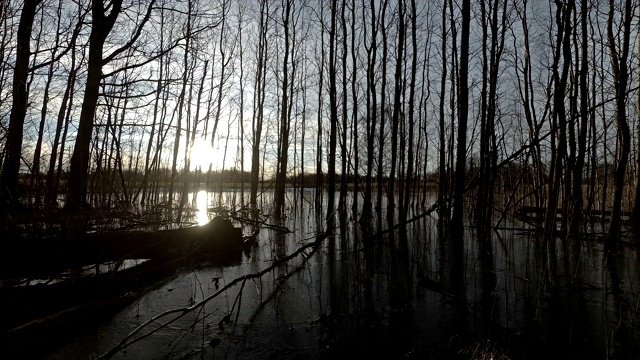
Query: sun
[203, 155]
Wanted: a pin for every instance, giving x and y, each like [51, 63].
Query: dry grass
[483, 352]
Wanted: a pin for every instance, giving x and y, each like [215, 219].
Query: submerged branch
[129, 339]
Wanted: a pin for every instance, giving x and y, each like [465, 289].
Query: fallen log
[535, 212]
[33, 257]
[219, 235]
[26, 317]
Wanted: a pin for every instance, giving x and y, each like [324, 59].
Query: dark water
[395, 296]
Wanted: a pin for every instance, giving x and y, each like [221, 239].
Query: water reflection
[201, 204]
[77, 273]
[396, 294]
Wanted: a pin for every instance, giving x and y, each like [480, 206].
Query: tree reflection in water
[396, 294]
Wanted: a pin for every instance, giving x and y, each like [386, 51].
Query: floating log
[527, 211]
[34, 256]
[219, 235]
[48, 309]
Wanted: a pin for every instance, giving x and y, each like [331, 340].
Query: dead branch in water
[261, 223]
[129, 339]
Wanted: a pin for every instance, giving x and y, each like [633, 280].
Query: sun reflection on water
[202, 202]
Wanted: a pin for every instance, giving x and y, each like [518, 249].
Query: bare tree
[241, 134]
[461, 149]
[528, 100]
[411, 108]
[333, 117]
[13, 152]
[371, 106]
[383, 111]
[577, 202]
[258, 100]
[636, 206]
[319, 155]
[343, 134]
[559, 118]
[354, 117]
[102, 25]
[285, 107]
[181, 102]
[57, 149]
[442, 158]
[619, 58]
[160, 83]
[395, 119]
[488, 142]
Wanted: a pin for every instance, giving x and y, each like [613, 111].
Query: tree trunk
[13, 149]
[180, 107]
[619, 64]
[258, 103]
[333, 118]
[319, 175]
[343, 134]
[395, 120]
[383, 111]
[58, 140]
[102, 25]
[371, 118]
[457, 230]
[412, 91]
[559, 125]
[442, 158]
[584, 123]
[285, 120]
[354, 117]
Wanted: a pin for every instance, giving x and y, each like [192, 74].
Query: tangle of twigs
[131, 338]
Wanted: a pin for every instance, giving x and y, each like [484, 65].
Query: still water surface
[395, 295]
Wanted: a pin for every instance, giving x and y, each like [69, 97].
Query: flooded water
[396, 295]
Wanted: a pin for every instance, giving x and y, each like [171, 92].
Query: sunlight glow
[202, 154]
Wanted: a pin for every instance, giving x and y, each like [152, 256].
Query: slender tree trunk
[35, 167]
[65, 103]
[395, 120]
[423, 138]
[559, 125]
[285, 119]
[319, 174]
[619, 56]
[488, 146]
[636, 207]
[481, 205]
[527, 97]
[442, 159]
[241, 119]
[371, 114]
[258, 103]
[412, 91]
[180, 107]
[354, 117]
[584, 122]
[13, 149]
[303, 135]
[119, 168]
[63, 140]
[457, 230]
[343, 134]
[383, 110]
[333, 118]
[102, 25]
[154, 123]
